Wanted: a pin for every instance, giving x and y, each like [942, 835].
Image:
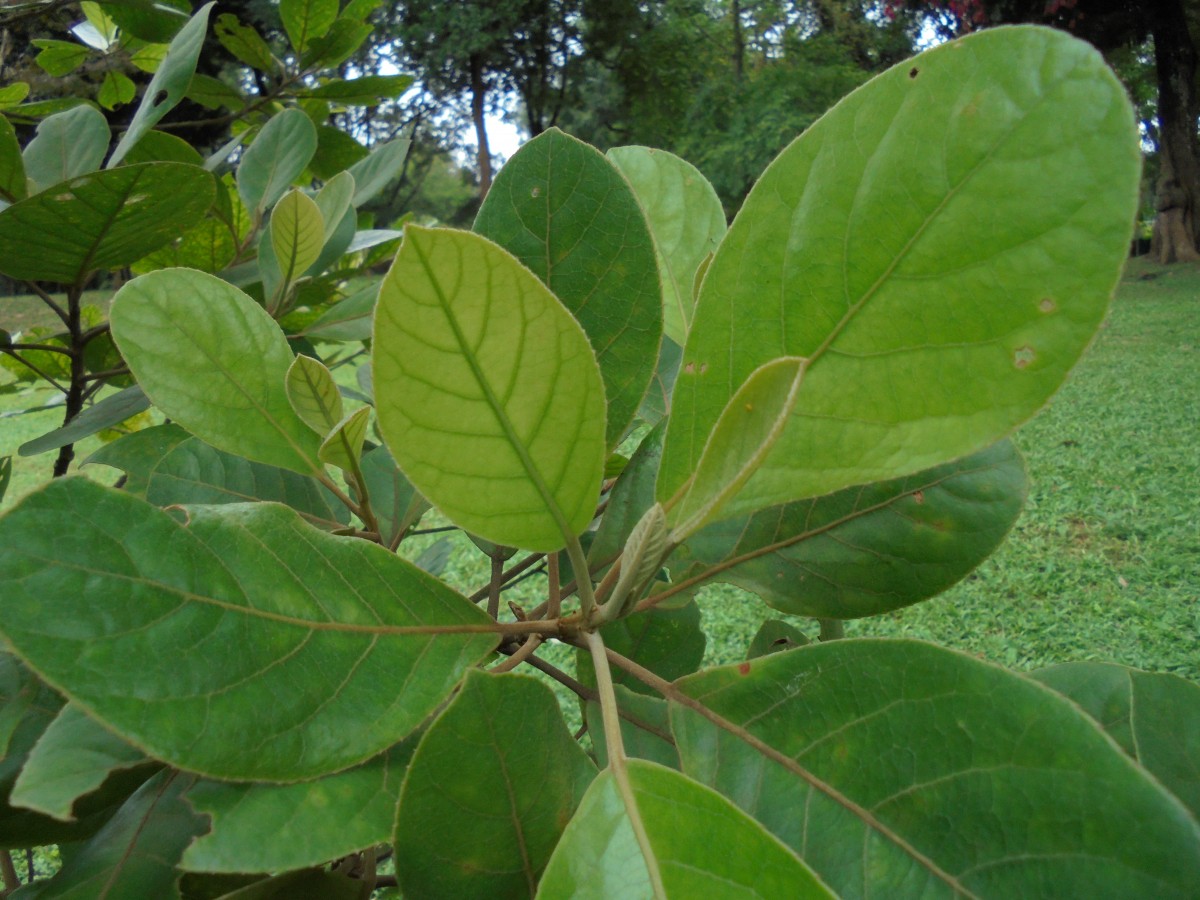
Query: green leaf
[377, 170]
[112, 410]
[244, 42]
[697, 843]
[209, 246]
[135, 854]
[194, 473]
[343, 447]
[73, 757]
[1153, 716]
[156, 21]
[304, 20]
[567, 213]
[307, 884]
[297, 233]
[645, 728]
[347, 320]
[395, 502]
[336, 152]
[308, 823]
[58, 58]
[314, 394]
[747, 429]
[243, 644]
[912, 245]
[869, 550]
[5, 474]
[169, 84]
[67, 144]
[276, 158]
[159, 146]
[137, 454]
[102, 220]
[775, 636]
[333, 200]
[212, 93]
[359, 10]
[668, 642]
[337, 45]
[366, 90]
[657, 402]
[164, 330]
[12, 167]
[489, 835]
[487, 392]
[98, 18]
[148, 57]
[116, 90]
[948, 776]
[686, 219]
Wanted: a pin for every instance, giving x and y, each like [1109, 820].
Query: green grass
[1104, 562]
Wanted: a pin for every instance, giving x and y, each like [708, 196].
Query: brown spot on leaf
[689, 369]
[749, 407]
[1047, 305]
[914, 72]
[919, 496]
[1023, 356]
[535, 192]
[703, 368]
[744, 668]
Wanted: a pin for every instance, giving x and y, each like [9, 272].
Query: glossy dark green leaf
[686, 219]
[366, 90]
[212, 93]
[657, 402]
[243, 644]
[169, 84]
[337, 45]
[150, 20]
[336, 152]
[12, 167]
[489, 835]
[244, 42]
[487, 392]
[645, 728]
[695, 844]
[275, 158]
[194, 473]
[913, 246]
[867, 550]
[567, 213]
[308, 884]
[5, 474]
[66, 145]
[1154, 716]
[73, 757]
[137, 454]
[134, 854]
[377, 170]
[162, 325]
[668, 642]
[629, 500]
[775, 636]
[278, 827]
[899, 769]
[102, 220]
[110, 411]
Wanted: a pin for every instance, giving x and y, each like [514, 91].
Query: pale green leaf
[868, 550]
[110, 411]
[192, 473]
[333, 200]
[212, 93]
[489, 835]
[159, 146]
[343, 447]
[700, 844]
[13, 94]
[221, 377]
[308, 823]
[567, 213]
[377, 170]
[66, 144]
[941, 247]
[243, 645]
[297, 233]
[59, 58]
[102, 220]
[686, 219]
[71, 758]
[149, 57]
[347, 320]
[304, 20]
[276, 158]
[487, 391]
[137, 454]
[747, 429]
[899, 769]
[169, 84]
[1154, 716]
[314, 394]
[115, 90]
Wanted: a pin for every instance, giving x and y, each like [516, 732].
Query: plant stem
[520, 655]
[74, 404]
[12, 881]
[532, 560]
[27, 364]
[493, 607]
[583, 578]
[832, 629]
[50, 302]
[617, 760]
[554, 592]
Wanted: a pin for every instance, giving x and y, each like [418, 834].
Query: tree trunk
[739, 41]
[1178, 193]
[478, 107]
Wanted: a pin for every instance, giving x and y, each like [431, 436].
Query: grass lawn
[1105, 561]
